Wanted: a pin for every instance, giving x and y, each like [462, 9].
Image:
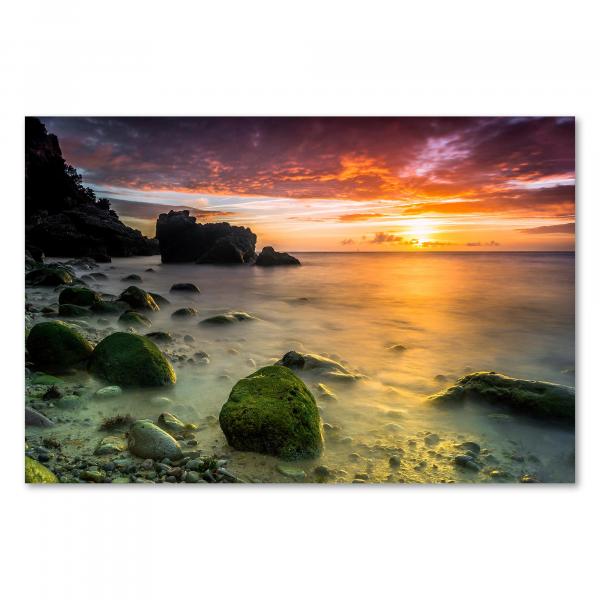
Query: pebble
[294, 473]
[110, 391]
[395, 461]
[431, 439]
[192, 477]
[322, 472]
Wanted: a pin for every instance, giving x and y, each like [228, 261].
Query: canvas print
[322, 300]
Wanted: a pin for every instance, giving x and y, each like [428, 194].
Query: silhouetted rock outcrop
[63, 218]
[183, 240]
[270, 258]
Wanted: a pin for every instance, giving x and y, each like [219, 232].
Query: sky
[340, 184]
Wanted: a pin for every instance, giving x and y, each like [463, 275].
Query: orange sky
[341, 184]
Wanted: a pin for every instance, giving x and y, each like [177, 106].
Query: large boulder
[147, 440]
[270, 258]
[36, 472]
[273, 412]
[56, 347]
[320, 365]
[539, 399]
[131, 360]
[181, 239]
[80, 296]
[138, 299]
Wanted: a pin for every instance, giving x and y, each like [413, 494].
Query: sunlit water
[454, 313]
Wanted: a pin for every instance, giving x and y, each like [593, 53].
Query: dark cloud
[347, 242]
[151, 210]
[495, 161]
[562, 228]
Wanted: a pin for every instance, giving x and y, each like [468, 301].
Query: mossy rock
[160, 300]
[273, 412]
[184, 313]
[103, 307]
[132, 277]
[56, 347]
[228, 318]
[539, 399]
[80, 296]
[36, 472]
[131, 360]
[160, 337]
[72, 310]
[134, 319]
[147, 440]
[50, 277]
[45, 379]
[138, 299]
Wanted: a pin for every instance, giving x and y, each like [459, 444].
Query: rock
[160, 337]
[110, 445]
[528, 479]
[132, 277]
[181, 239]
[192, 477]
[270, 258]
[314, 362]
[103, 307]
[431, 439]
[473, 447]
[227, 318]
[184, 313]
[130, 318]
[131, 360]
[292, 472]
[397, 348]
[188, 339]
[110, 391]
[160, 300]
[93, 476]
[395, 461]
[466, 461]
[38, 473]
[98, 275]
[326, 393]
[72, 310]
[172, 424]
[138, 299]
[69, 402]
[45, 379]
[273, 412]
[49, 277]
[159, 401]
[80, 296]
[56, 347]
[322, 473]
[539, 399]
[185, 287]
[33, 418]
[147, 440]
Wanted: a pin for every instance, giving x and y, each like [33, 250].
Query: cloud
[562, 228]
[359, 217]
[385, 238]
[151, 210]
[476, 244]
[492, 165]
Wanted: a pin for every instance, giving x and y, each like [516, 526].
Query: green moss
[50, 276]
[134, 319]
[273, 412]
[45, 379]
[72, 310]
[56, 347]
[36, 472]
[80, 296]
[131, 360]
[538, 399]
[139, 299]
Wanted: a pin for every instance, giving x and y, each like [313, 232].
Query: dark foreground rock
[270, 258]
[181, 239]
[131, 360]
[35, 472]
[273, 412]
[539, 399]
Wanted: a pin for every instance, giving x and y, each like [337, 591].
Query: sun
[420, 229]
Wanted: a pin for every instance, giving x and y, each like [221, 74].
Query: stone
[93, 476]
[322, 473]
[131, 360]
[160, 300]
[271, 411]
[472, 447]
[431, 439]
[325, 367]
[132, 277]
[69, 402]
[38, 473]
[33, 418]
[50, 277]
[109, 391]
[294, 473]
[104, 307]
[72, 310]
[139, 299]
[160, 337]
[147, 440]
[192, 477]
[227, 318]
[538, 399]
[395, 461]
[184, 313]
[172, 424]
[270, 258]
[131, 318]
[56, 347]
[110, 445]
[190, 288]
[79, 296]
